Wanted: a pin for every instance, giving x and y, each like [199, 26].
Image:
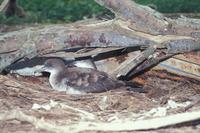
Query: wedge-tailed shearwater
[77, 80]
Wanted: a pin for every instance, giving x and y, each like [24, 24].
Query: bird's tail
[135, 87]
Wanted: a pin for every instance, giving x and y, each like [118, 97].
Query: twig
[86, 114]
[149, 64]
[129, 125]
[132, 63]
[38, 123]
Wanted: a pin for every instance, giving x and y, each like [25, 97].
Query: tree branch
[134, 26]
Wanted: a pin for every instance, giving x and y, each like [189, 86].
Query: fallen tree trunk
[134, 26]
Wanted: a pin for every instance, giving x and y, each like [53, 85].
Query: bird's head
[53, 65]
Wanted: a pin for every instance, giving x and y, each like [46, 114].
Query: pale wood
[125, 125]
[4, 5]
[134, 26]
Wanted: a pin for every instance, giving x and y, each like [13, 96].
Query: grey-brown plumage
[76, 80]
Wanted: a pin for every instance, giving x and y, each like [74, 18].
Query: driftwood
[134, 26]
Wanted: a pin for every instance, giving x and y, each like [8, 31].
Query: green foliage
[56, 11]
[62, 11]
[174, 6]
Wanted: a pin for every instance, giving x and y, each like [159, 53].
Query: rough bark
[134, 26]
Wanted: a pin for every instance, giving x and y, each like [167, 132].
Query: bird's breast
[61, 85]
[56, 83]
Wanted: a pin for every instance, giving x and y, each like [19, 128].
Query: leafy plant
[174, 6]
[62, 11]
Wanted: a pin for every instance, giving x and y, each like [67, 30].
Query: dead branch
[128, 65]
[128, 125]
[134, 26]
[141, 18]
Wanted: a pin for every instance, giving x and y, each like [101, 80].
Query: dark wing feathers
[90, 80]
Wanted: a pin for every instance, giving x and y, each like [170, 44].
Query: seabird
[30, 67]
[77, 80]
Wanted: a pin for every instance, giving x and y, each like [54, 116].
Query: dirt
[21, 93]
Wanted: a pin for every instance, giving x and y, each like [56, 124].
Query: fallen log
[134, 26]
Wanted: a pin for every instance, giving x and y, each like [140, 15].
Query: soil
[20, 94]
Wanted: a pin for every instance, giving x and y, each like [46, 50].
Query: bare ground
[25, 100]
